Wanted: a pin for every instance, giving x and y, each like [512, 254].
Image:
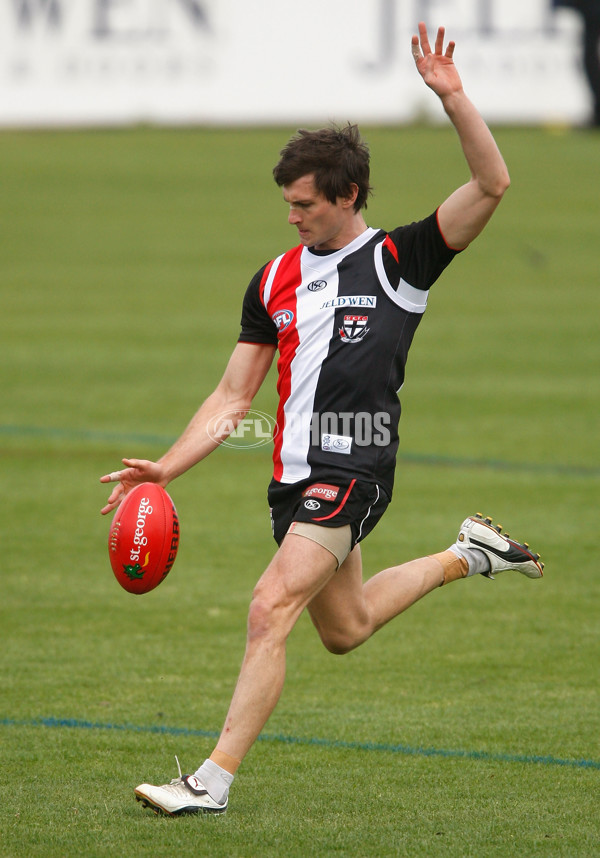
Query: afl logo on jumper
[354, 329]
[317, 285]
[283, 319]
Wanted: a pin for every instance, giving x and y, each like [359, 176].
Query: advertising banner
[92, 62]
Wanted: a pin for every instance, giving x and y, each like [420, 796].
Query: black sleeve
[257, 326]
[422, 253]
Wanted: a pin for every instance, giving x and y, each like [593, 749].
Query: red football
[143, 538]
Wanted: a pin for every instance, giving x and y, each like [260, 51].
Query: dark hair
[337, 157]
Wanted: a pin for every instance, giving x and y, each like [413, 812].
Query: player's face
[320, 223]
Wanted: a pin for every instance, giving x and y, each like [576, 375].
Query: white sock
[477, 560]
[216, 780]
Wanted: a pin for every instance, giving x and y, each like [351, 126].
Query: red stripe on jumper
[335, 512]
[387, 242]
[283, 297]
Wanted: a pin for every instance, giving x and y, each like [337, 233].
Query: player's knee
[260, 618]
[339, 642]
[267, 616]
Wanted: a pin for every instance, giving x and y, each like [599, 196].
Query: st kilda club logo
[354, 329]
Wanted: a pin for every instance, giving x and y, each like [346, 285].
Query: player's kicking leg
[346, 613]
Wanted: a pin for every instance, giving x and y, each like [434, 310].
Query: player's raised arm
[214, 420]
[465, 213]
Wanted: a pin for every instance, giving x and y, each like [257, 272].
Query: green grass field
[467, 727]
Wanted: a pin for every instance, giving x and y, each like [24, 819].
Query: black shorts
[331, 502]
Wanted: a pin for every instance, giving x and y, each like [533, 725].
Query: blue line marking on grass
[338, 744]
[57, 433]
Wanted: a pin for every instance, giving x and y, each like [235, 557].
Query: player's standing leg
[298, 571]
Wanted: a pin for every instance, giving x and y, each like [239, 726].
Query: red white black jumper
[343, 321]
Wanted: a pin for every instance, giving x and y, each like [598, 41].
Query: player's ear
[349, 200]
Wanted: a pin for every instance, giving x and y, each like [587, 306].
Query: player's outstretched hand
[436, 67]
[135, 472]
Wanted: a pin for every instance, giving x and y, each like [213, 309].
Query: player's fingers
[113, 477]
[415, 49]
[425, 46]
[132, 463]
[109, 507]
[439, 41]
[140, 465]
[114, 500]
[134, 470]
[109, 478]
[450, 50]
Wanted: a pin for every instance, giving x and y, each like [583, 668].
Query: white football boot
[503, 553]
[185, 794]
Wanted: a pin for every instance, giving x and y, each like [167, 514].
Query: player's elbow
[496, 186]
